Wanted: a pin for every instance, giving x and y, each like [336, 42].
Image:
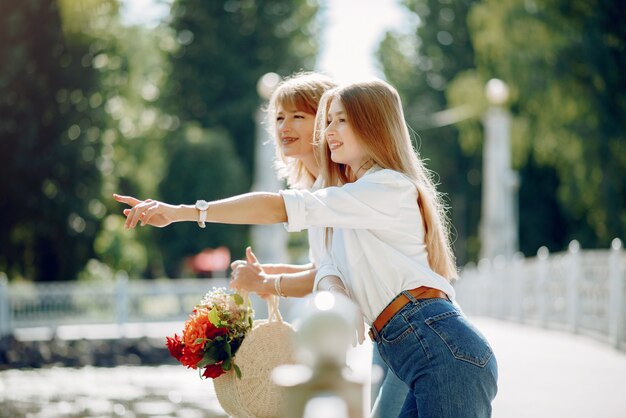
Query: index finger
[131, 201]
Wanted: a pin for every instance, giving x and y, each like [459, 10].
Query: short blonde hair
[302, 92]
[374, 111]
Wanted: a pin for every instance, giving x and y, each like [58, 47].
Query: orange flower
[196, 327]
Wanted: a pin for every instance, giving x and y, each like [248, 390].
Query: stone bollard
[322, 385]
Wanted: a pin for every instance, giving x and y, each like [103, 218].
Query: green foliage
[223, 50]
[203, 165]
[421, 65]
[219, 50]
[563, 61]
[49, 144]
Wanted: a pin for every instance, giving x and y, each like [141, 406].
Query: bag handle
[273, 313]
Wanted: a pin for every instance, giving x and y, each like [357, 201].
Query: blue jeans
[388, 396]
[446, 362]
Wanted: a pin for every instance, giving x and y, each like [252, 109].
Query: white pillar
[498, 227]
[269, 242]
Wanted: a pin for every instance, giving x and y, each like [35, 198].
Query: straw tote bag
[269, 343]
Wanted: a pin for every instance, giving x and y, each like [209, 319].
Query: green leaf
[227, 349]
[208, 359]
[238, 299]
[213, 317]
[237, 371]
[226, 365]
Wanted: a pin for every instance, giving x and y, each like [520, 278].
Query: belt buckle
[371, 334]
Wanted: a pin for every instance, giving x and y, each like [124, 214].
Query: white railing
[46, 307]
[122, 301]
[579, 291]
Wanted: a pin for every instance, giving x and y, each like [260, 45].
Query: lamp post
[498, 226]
[269, 241]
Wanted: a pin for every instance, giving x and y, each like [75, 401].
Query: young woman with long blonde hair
[291, 120]
[389, 248]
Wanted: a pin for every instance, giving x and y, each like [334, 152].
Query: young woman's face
[344, 143]
[294, 132]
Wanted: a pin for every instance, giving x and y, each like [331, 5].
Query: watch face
[202, 205]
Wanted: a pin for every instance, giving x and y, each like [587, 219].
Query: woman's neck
[361, 169]
[310, 163]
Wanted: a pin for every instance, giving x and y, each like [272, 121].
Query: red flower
[190, 359]
[212, 332]
[175, 345]
[214, 370]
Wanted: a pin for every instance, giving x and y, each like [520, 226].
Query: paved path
[543, 373]
[552, 374]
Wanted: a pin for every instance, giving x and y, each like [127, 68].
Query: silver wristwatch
[202, 206]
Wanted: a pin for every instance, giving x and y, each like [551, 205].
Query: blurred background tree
[50, 129]
[421, 64]
[563, 62]
[222, 49]
[91, 106]
[203, 164]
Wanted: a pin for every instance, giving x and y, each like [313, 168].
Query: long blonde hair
[374, 111]
[302, 91]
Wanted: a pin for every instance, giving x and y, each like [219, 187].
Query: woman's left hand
[249, 276]
[149, 212]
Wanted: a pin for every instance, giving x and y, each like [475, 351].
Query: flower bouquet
[213, 334]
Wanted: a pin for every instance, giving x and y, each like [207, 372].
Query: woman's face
[294, 132]
[344, 143]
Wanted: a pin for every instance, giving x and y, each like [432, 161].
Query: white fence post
[543, 255]
[616, 294]
[573, 281]
[486, 285]
[5, 306]
[121, 297]
[518, 296]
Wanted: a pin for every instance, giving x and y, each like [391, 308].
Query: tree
[207, 155]
[421, 64]
[221, 50]
[563, 61]
[49, 142]
[224, 48]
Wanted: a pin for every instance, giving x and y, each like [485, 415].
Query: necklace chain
[356, 173]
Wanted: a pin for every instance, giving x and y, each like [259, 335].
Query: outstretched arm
[248, 209]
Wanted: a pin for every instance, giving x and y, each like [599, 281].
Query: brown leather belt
[399, 302]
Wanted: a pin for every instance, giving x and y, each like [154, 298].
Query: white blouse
[377, 247]
[315, 237]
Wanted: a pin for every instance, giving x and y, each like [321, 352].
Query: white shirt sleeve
[327, 268]
[372, 202]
